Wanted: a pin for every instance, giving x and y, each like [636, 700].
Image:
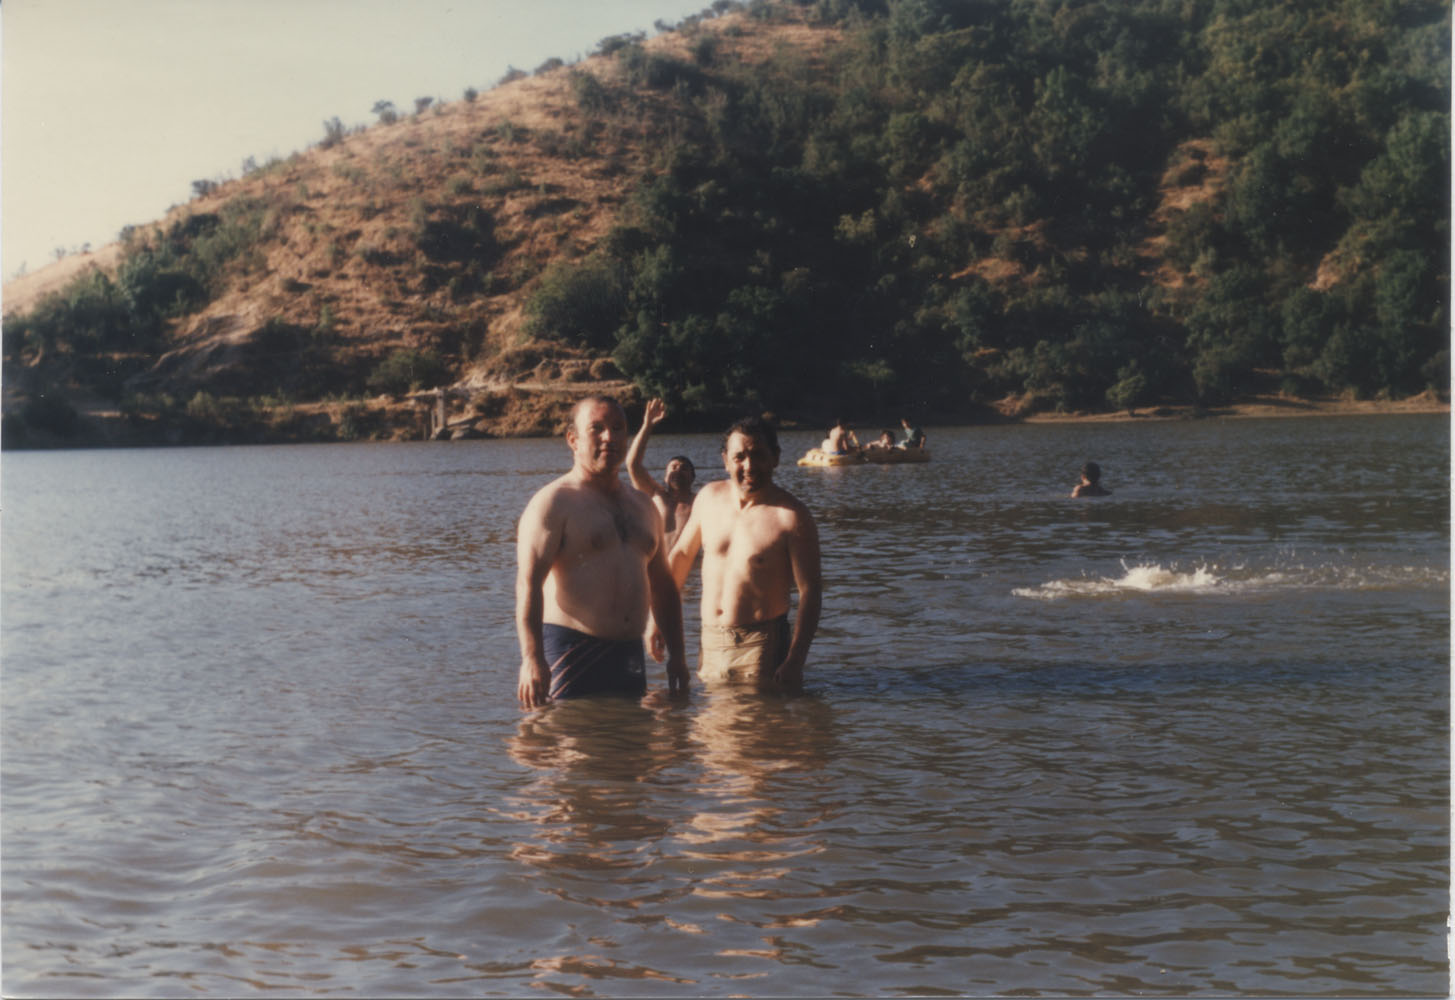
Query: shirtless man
[758, 542]
[591, 562]
[841, 439]
[674, 499]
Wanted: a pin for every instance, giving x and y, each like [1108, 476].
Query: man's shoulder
[566, 492]
[796, 508]
[553, 490]
[714, 491]
[567, 497]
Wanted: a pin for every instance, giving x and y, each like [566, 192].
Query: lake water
[260, 735]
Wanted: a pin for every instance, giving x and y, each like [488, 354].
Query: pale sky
[110, 109]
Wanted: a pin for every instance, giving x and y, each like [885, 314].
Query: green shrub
[578, 302]
[705, 49]
[334, 131]
[615, 43]
[1130, 389]
[592, 96]
[407, 370]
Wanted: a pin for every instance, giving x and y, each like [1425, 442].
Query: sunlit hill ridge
[966, 211]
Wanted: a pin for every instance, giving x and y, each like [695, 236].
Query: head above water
[749, 455]
[597, 435]
[1091, 472]
[754, 427]
[590, 402]
[681, 473]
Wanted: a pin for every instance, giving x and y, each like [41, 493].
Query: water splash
[1211, 579]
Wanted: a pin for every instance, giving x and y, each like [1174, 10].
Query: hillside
[801, 208]
[424, 235]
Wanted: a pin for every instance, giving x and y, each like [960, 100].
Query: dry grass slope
[431, 233]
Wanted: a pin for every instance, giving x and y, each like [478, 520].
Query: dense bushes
[407, 370]
[832, 224]
[110, 328]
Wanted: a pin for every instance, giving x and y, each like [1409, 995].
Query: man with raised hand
[673, 499]
[758, 544]
[591, 563]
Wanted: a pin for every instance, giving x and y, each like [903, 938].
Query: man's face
[680, 475]
[749, 463]
[598, 437]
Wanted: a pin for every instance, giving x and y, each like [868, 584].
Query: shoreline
[100, 426]
[1258, 407]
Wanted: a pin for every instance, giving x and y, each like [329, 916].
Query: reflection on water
[674, 818]
[260, 735]
[595, 760]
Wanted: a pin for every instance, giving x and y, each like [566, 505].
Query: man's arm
[689, 540]
[678, 564]
[804, 559]
[536, 546]
[667, 617]
[636, 468]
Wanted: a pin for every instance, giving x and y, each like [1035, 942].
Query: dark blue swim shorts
[584, 664]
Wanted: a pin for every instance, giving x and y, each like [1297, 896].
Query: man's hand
[656, 641]
[534, 687]
[789, 675]
[656, 412]
[677, 680]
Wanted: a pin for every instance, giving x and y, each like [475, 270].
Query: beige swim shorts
[744, 654]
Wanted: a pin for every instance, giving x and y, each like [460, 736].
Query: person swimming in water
[1090, 485]
[673, 499]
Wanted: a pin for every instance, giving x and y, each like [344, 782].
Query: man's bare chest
[751, 538]
[607, 526]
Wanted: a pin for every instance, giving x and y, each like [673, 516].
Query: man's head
[681, 473]
[750, 454]
[1091, 472]
[597, 435]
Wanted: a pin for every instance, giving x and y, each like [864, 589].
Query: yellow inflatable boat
[867, 456]
[821, 458]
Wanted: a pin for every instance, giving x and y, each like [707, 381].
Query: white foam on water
[1153, 578]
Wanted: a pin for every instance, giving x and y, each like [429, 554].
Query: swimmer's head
[681, 473]
[754, 427]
